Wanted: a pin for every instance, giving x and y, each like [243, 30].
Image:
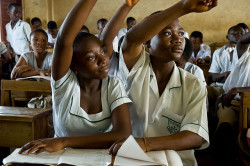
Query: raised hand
[131, 3]
[199, 5]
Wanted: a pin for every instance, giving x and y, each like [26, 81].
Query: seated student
[201, 52]
[36, 62]
[238, 81]
[131, 21]
[222, 61]
[189, 67]
[36, 23]
[4, 53]
[86, 101]
[52, 33]
[168, 109]
[244, 26]
[84, 29]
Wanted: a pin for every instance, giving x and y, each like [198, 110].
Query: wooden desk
[12, 90]
[20, 125]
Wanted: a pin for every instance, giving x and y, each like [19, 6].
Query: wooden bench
[19, 125]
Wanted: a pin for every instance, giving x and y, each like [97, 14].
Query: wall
[214, 24]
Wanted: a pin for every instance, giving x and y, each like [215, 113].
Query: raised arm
[114, 25]
[63, 50]
[243, 44]
[153, 24]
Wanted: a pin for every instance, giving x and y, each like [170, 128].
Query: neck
[40, 55]
[230, 44]
[13, 23]
[89, 85]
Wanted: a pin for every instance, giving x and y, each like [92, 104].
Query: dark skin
[196, 42]
[233, 37]
[90, 64]
[166, 45]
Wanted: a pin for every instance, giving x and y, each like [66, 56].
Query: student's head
[235, 33]
[38, 40]
[84, 29]
[89, 59]
[169, 43]
[196, 38]
[52, 28]
[244, 26]
[15, 11]
[130, 22]
[36, 23]
[101, 24]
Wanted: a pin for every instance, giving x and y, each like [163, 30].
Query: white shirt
[19, 36]
[195, 70]
[221, 62]
[122, 32]
[50, 38]
[3, 48]
[182, 105]
[70, 119]
[203, 52]
[30, 59]
[115, 42]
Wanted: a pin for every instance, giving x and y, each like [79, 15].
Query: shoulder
[205, 47]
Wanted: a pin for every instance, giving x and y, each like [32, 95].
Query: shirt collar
[175, 79]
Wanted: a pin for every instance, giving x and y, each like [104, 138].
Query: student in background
[228, 114]
[84, 29]
[52, 33]
[168, 110]
[36, 23]
[201, 52]
[131, 21]
[18, 31]
[184, 63]
[36, 62]
[4, 53]
[244, 26]
[89, 107]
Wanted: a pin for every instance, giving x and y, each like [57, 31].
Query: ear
[227, 37]
[148, 43]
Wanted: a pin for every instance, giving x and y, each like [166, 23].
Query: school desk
[19, 125]
[205, 68]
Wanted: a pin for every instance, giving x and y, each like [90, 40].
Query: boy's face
[91, 62]
[39, 42]
[102, 25]
[15, 13]
[196, 42]
[235, 34]
[37, 25]
[131, 24]
[53, 32]
[169, 43]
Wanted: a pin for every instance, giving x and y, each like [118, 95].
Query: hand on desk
[17, 71]
[41, 145]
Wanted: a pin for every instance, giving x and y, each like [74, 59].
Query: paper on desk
[42, 158]
[97, 157]
[131, 154]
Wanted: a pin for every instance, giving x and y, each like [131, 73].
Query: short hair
[235, 26]
[243, 25]
[37, 31]
[102, 20]
[52, 25]
[197, 34]
[14, 4]
[130, 19]
[188, 50]
[84, 27]
[35, 19]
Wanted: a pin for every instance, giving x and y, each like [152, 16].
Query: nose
[103, 60]
[177, 39]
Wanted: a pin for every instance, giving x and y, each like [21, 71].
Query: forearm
[219, 77]
[184, 140]
[29, 73]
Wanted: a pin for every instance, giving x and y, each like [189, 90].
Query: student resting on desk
[86, 101]
[36, 62]
[228, 114]
[168, 110]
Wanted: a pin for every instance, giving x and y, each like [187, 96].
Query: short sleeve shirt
[203, 52]
[70, 119]
[3, 48]
[195, 70]
[182, 105]
[30, 59]
[19, 36]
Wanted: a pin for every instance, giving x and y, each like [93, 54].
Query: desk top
[22, 113]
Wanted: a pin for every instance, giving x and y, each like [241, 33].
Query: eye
[103, 51]
[167, 33]
[181, 33]
[91, 58]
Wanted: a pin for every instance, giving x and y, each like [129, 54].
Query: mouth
[104, 69]
[177, 49]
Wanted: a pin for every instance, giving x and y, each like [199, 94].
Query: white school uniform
[221, 62]
[30, 59]
[3, 48]
[70, 119]
[50, 38]
[19, 37]
[203, 52]
[195, 70]
[182, 105]
[122, 32]
[115, 42]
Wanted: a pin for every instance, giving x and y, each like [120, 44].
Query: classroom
[110, 79]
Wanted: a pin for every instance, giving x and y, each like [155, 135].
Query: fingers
[36, 146]
[115, 147]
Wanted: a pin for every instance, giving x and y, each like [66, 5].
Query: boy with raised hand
[168, 110]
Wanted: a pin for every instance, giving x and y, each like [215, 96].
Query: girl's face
[39, 42]
[91, 62]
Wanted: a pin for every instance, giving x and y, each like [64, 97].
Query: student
[52, 33]
[36, 62]
[131, 21]
[238, 81]
[189, 67]
[168, 110]
[4, 53]
[86, 101]
[18, 31]
[36, 23]
[244, 26]
[201, 52]
[84, 29]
